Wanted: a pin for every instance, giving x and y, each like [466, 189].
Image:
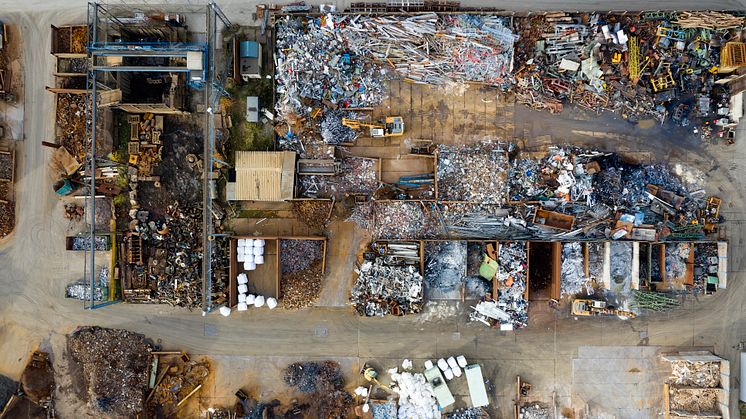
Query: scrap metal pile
[323, 384]
[474, 173]
[358, 175]
[695, 374]
[115, 366]
[7, 210]
[573, 278]
[381, 289]
[71, 123]
[300, 264]
[571, 193]
[653, 65]
[174, 266]
[512, 258]
[178, 381]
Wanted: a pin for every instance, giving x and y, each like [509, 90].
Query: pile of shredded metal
[115, 368]
[324, 384]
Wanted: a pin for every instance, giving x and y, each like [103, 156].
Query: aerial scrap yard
[376, 162]
[486, 217]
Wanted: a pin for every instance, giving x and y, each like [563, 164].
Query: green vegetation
[120, 200]
[248, 136]
[257, 214]
[121, 153]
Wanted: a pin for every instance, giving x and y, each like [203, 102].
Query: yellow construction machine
[588, 307]
[393, 126]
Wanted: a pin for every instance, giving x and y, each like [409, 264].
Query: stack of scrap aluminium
[573, 276]
[315, 60]
[695, 374]
[401, 220]
[473, 173]
[676, 257]
[511, 278]
[358, 175]
[445, 269]
[380, 289]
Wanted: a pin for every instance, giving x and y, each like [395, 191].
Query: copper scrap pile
[7, 211]
[115, 366]
[314, 214]
[71, 120]
[301, 289]
[301, 265]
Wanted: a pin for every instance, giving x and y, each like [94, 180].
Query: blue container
[249, 49]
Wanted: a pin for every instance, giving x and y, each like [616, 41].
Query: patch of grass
[257, 214]
[120, 200]
[249, 136]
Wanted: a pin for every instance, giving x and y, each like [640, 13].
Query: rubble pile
[512, 259]
[381, 289]
[473, 173]
[115, 367]
[416, 398]
[302, 288]
[572, 271]
[695, 374]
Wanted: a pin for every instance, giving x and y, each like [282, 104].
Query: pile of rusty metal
[112, 386]
[71, 123]
[668, 67]
[382, 289]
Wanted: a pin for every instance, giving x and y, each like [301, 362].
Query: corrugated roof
[264, 175]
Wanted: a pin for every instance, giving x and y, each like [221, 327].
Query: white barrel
[428, 364]
[259, 259]
[442, 364]
[241, 242]
[259, 243]
[243, 289]
[225, 311]
[259, 301]
[448, 374]
[258, 251]
[242, 278]
[241, 298]
[242, 307]
[271, 303]
[250, 299]
[248, 242]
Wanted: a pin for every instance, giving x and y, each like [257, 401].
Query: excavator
[588, 307]
[393, 126]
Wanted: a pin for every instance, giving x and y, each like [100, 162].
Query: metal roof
[264, 175]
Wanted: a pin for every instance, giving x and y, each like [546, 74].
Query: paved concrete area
[35, 268]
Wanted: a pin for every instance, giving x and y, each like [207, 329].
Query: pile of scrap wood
[174, 380]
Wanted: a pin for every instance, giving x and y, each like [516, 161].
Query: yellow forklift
[393, 126]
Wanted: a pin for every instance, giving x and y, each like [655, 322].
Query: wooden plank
[556, 270]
